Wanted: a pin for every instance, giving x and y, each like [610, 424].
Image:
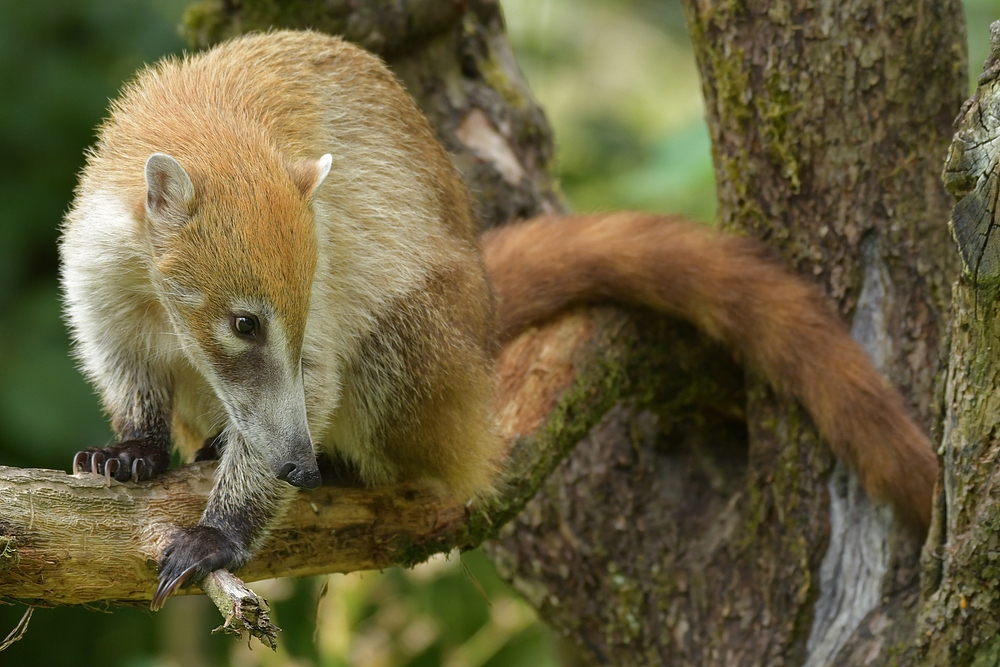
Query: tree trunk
[829, 122]
[960, 613]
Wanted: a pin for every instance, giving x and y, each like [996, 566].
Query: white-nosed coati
[269, 243]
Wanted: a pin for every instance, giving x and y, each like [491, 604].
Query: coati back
[269, 248]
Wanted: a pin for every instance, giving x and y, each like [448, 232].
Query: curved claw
[169, 587]
[109, 470]
[95, 462]
[77, 463]
[138, 470]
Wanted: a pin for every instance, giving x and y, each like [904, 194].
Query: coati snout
[302, 472]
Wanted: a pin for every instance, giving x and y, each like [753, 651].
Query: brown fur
[431, 349]
[726, 286]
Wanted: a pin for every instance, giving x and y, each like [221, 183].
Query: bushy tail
[727, 287]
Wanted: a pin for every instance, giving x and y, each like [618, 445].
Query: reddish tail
[725, 286]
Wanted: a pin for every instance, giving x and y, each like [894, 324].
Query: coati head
[234, 253]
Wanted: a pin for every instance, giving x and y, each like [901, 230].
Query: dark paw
[338, 471]
[130, 459]
[191, 555]
[212, 449]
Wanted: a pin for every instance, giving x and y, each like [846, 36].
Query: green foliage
[446, 612]
[979, 14]
[618, 81]
[60, 61]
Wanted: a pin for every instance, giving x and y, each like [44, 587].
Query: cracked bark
[960, 614]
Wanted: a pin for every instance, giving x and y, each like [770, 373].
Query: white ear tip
[324, 166]
[322, 169]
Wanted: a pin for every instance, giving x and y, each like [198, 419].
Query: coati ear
[308, 174]
[169, 192]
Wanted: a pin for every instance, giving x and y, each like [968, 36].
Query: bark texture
[830, 122]
[960, 619]
[244, 611]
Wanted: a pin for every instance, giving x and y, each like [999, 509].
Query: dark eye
[245, 325]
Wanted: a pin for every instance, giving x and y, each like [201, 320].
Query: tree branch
[73, 539]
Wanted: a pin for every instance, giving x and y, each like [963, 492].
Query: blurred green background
[619, 83]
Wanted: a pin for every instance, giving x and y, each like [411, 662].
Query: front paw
[129, 459]
[192, 554]
[212, 449]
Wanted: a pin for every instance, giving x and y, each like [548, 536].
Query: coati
[270, 249]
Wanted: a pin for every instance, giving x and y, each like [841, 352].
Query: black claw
[194, 553]
[168, 587]
[212, 449]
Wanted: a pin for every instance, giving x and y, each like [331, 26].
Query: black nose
[304, 479]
